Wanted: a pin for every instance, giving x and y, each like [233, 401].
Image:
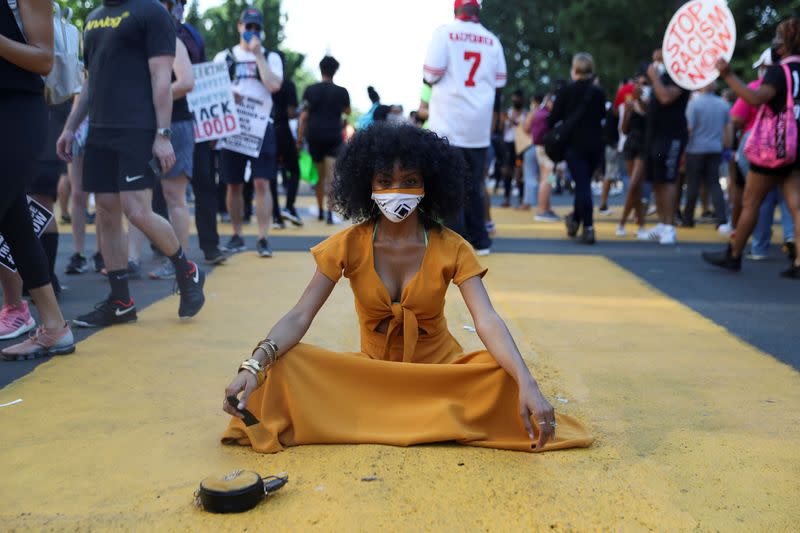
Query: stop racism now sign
[701, 32]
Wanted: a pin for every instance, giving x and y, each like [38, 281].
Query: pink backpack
[773, 139]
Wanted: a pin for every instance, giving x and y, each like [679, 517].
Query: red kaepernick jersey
[465, 65]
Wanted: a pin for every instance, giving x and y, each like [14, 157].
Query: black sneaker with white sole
[190, 286]
[263, 249]
[236, 244]
[292, 216]
[108, 313]
[78, 264]
[98, 262]
[215, 257]
[724, 259]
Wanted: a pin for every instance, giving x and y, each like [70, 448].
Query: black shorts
[232, 164]
[118, 160]
[633, 148]
[320, 149]
[511, 154]
[45, 178]
[663, 160]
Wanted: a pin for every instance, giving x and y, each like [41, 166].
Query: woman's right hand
[723, 67]
[244, 381]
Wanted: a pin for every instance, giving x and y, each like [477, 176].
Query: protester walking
[284, 110]
[128, 144]
[633, 130]
[466, 67]
[26, 54]
[707, 117]
[324, 104]
[774, 167]
[583, 103]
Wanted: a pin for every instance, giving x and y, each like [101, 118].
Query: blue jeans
[581, 168]
[762, 235]
[530, 175]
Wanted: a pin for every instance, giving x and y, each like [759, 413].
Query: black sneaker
[66, 219]
[107, 313]
[790, 249]
[190, 286]
[572, 225]
[278, 223]
[236, 244]
[329, 220]
[77, 264]
[263, 249]
[792, 273]
[292, 216]
[587, 237]
[90, 217]
[99, 263]
[724, 260]
[321, 216]
[215, 257]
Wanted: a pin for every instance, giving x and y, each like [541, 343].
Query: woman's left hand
[533, 404]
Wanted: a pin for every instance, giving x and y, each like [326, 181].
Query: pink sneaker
[42, 343]
[14, 321]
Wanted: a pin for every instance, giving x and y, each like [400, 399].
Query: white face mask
[399, 203]
[647, 92]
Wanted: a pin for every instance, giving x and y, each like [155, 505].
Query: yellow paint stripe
[696, 430]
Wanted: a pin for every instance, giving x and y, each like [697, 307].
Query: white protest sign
[40, 217]
[253, 121]
[701, 32]
[211, 103]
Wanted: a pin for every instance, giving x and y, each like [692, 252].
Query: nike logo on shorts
[122, 312]
[131, 179]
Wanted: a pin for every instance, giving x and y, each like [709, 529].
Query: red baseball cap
[461, 3]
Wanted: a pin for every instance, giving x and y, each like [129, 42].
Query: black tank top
[180, 108]
[12, 77]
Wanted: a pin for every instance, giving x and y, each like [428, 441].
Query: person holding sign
[256, 74]
[26, 54]
[774, 91]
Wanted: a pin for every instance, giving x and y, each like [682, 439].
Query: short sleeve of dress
[331, 256]
[467, 265]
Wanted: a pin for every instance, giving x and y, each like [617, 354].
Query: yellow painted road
[696, 430]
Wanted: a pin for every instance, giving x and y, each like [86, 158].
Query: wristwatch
[164, 132]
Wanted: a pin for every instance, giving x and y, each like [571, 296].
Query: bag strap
[15, 10]
[789, 88]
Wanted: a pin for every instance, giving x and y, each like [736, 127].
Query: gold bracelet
[272, 354]
[255, 368]
[259, 378]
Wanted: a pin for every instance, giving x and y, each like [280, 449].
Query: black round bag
[237, 492]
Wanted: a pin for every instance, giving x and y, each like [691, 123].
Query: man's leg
[63, 195]
[79, 202]
[712, 164]
[263, 199]
[205, 198]
[474, 214]
[175, 196]
[694, 168]
[762, 234]
[138, 208]
[235, 203]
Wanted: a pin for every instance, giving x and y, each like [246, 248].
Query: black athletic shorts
[118, 160]
[45, 178]
[320, 149]
[265, 166]
[663, 160]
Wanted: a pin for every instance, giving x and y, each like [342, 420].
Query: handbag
[522, 138]
[236, 492]
[555, 141]
[773, 138]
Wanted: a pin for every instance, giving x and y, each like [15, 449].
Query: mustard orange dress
[411, 385]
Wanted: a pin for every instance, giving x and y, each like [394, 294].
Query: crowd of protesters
[126, 138]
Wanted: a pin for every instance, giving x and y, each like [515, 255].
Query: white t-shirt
[510, 128]
[465, 65]
[247, 82]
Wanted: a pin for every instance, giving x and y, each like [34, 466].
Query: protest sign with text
[211, 103]
[253, 121]
[700, 33]
[40, 217]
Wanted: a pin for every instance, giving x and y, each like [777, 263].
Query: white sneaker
[621, 231]
[655, 233]
[668, 236]
[642, 234]
[725, 229]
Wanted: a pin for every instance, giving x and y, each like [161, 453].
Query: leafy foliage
[541, 36]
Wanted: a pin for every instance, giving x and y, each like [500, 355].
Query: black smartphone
[249, 419]
[155, 166]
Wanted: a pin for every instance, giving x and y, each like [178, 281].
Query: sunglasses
[253, 27]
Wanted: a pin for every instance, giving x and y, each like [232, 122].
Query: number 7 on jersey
[475, 57]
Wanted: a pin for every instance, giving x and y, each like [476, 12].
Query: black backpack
[557, 139]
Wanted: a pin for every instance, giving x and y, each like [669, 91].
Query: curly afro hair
[377, 149]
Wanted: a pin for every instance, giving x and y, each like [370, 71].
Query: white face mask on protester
[398, 204]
